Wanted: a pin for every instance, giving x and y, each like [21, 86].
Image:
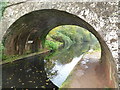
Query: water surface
[59, 65]
[45, 70]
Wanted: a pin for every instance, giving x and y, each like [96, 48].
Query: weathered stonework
[103, 16]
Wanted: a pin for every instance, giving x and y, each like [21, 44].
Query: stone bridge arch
[37, 24]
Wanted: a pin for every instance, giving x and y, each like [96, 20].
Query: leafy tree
[70, 34]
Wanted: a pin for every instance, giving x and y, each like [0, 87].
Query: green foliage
[70, 34]
[1, 47]
[97, 47]
[2, 55]
[2, 7]
[76, 41]
[51, 45]
[66, 36]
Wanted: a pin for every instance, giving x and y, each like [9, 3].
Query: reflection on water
[62, 62]
[26, 73]
[63, 71]
[43, 71]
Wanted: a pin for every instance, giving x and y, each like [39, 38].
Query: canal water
[43, 71]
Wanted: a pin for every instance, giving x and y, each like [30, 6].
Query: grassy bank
[18, 57]
[62, 36]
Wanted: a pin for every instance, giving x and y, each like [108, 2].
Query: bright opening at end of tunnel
[55, 49]
[73, 46]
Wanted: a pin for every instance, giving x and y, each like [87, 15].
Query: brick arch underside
[37, 24]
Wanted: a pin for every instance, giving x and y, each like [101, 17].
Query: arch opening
[29, 35]
[72, 47]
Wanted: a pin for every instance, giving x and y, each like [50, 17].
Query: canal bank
[86, 74]
[36, 71]
[28, 72]
[20, 57]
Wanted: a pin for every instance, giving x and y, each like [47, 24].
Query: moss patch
[18, 57]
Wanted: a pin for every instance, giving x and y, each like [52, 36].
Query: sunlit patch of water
[63, 71]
